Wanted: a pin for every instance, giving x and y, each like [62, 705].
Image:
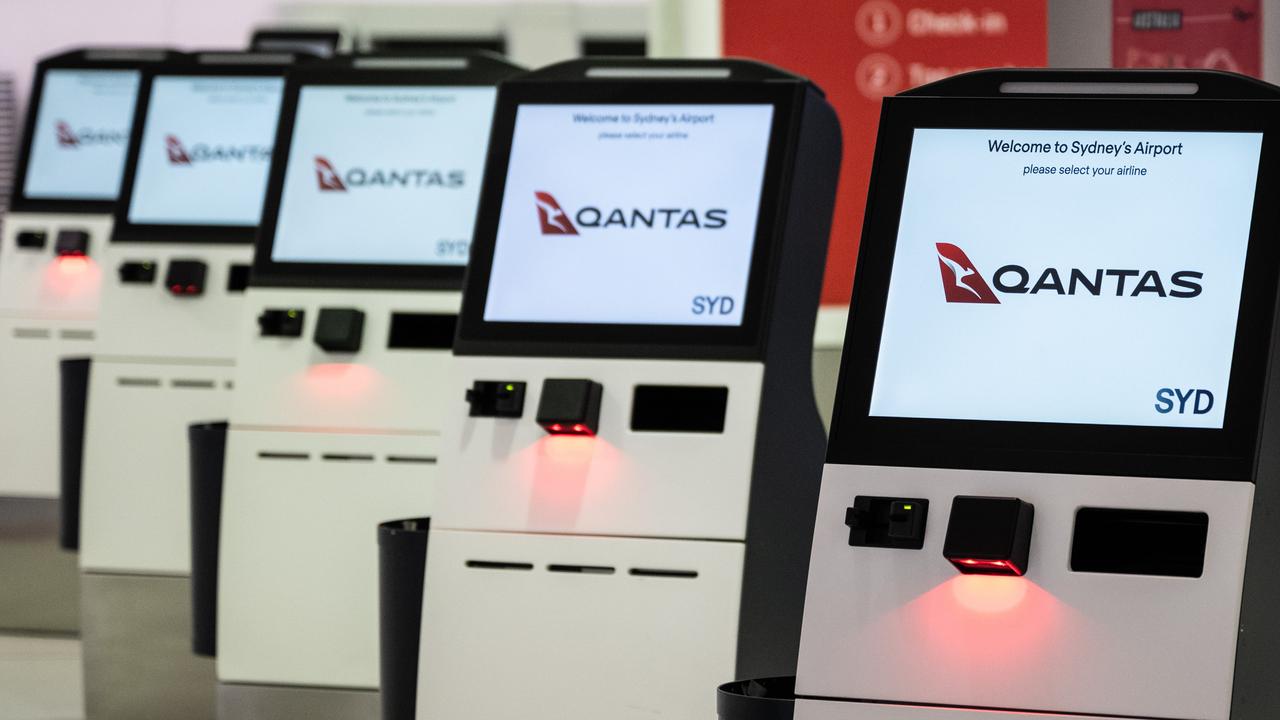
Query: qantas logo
[327, 177]
[67, 136]
[72, 139]
[330, 180]
[177, 154]
[555, 220]
[181, 154]
[962, 283]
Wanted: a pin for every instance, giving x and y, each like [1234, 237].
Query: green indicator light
[293, 313]
[906, 507]
[511, 388]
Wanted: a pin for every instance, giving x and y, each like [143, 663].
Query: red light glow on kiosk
[988, 595]
[569, 429]
[568, 449]
[560, 472]
[972, 566]
[72, 264]
[72, 275]
[340, 380]
[1001, 624]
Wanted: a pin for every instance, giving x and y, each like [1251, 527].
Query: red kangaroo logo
[327, 176]
[960, 279]
[554, 220]
[66, 136]
[177, 154]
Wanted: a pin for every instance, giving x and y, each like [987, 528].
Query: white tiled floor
[40, 678]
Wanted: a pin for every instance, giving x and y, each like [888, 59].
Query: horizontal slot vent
[656, 572]
[194, 384]
[1139, 542]
[31, 333]
[411, 459]
[76, 334]
[496, 565]
[138, 382]
[582, 569]
[268, 455]
[421, 331]
[346, 457]
[679, 408]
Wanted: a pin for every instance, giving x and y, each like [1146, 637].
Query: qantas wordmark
[555, 220]
[962, 283]
[181, 154]
[330, 179]
[70, 138]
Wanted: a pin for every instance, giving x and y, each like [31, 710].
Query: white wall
[30, 29]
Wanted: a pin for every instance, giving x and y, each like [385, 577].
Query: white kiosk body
[1050, 485]
[69, 169]
[632, 471]
[179, 262]
[342, 371]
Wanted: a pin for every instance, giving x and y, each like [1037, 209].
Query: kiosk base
[298, 552]
[138, 663]
[41, 592]
[30, 349]
[280, 702]
[639, 628]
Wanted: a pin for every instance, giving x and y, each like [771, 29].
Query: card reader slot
[138, 382]
[75, 334]
[679, 408]
[31, 333]
[422, 331]
[412, 459]
[498, 565]
[660, 573]
[346, 457]
[582, 569]
[270, 455]
[190, 384]
[1139, 542]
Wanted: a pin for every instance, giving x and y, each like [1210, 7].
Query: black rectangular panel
[140, 272]
[422, 331]
[614, 47]
[679, 408]
[238, 277]
[1139, 542]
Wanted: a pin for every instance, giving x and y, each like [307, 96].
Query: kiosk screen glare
[383, 175]
[206, 149]
[81, 134]
[1067, 277]
[629, 214]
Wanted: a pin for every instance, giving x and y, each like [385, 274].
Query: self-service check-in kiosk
[632, 446]
[175, 271]
[1050, 485]
[69, 168]
[341, 379]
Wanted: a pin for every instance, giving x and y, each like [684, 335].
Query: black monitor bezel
[476, 336]
[126, 231]
[19, 202]
[862, 439]
[269, 272]
[299, 41]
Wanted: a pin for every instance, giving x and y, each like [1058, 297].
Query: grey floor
[40, 678]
